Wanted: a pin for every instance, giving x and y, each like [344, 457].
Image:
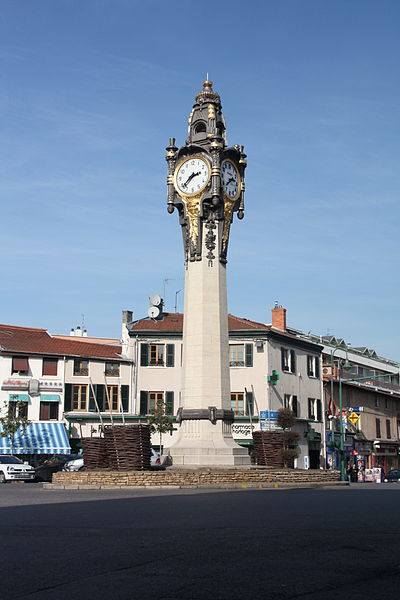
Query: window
[80, 397]
[237, 403]
[48, 411]
[16, 408]
[378, 427]
[290, 401]
[20, 364]
[112, 397]
[111, 369]
[288, 360]
[388, 432]
[149, 401]
[387, 405]
[376, 401]
[313, 366]
[314, 409]
[81, 366]
[157, 355]
[49, 366]
[241, 355]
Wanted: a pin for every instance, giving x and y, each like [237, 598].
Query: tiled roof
[173, 322]
[39, 341]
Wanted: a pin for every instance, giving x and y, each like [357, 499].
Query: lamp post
[345, 365]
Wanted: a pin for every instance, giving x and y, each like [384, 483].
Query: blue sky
[90, 93]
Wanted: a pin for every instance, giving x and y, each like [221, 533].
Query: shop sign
[15, 384]
[23, 384]
[50, 386]
[241, 431]
[363, 447]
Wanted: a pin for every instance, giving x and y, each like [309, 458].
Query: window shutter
[143, 402]
[292, 361]
[144, 355]
[319, 410]
[125, 398]
[317, 373]
[295, 406]
[49, 366]
[100, 396]
[20, 363]
[249, 404]
[92, 404]
[249, 355]
[170, 355]
[169, 403]
[67, 397]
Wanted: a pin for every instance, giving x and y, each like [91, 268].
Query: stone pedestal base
[205, 444]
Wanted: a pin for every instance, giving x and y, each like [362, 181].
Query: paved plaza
[202, 545]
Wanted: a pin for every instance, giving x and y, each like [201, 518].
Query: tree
[286, 420]
[160, 422]
[13, 421]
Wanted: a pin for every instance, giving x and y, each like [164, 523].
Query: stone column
[205, 437]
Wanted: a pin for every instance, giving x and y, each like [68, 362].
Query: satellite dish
[153, 312]
[155, 299]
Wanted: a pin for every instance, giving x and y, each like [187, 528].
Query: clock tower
[206, 186]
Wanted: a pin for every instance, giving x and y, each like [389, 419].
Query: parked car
[393, 475]
[75, 464]
[13, 469]
[44, 472]
[155, 458]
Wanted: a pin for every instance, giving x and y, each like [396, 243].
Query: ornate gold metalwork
[228, 210]
[192, 210]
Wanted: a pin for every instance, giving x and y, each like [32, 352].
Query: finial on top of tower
[207, 93]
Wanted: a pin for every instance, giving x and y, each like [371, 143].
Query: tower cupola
[206, 120]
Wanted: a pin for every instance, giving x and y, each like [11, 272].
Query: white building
[59, 385]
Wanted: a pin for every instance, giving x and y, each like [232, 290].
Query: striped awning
[39, 438]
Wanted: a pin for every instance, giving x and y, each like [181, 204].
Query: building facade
[362, 390]
[59, 385]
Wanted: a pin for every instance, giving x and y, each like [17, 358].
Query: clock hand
[189, 179]
[230, 180]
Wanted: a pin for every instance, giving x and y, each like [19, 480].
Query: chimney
[127, 316]
[279, 317]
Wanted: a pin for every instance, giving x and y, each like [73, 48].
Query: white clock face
[192, 176]
[230, 179]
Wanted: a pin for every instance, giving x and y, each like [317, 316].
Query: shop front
[385, 455]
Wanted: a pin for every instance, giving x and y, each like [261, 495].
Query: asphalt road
[188, 544]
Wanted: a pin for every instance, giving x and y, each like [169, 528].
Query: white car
[13, 469]
[75, 464]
